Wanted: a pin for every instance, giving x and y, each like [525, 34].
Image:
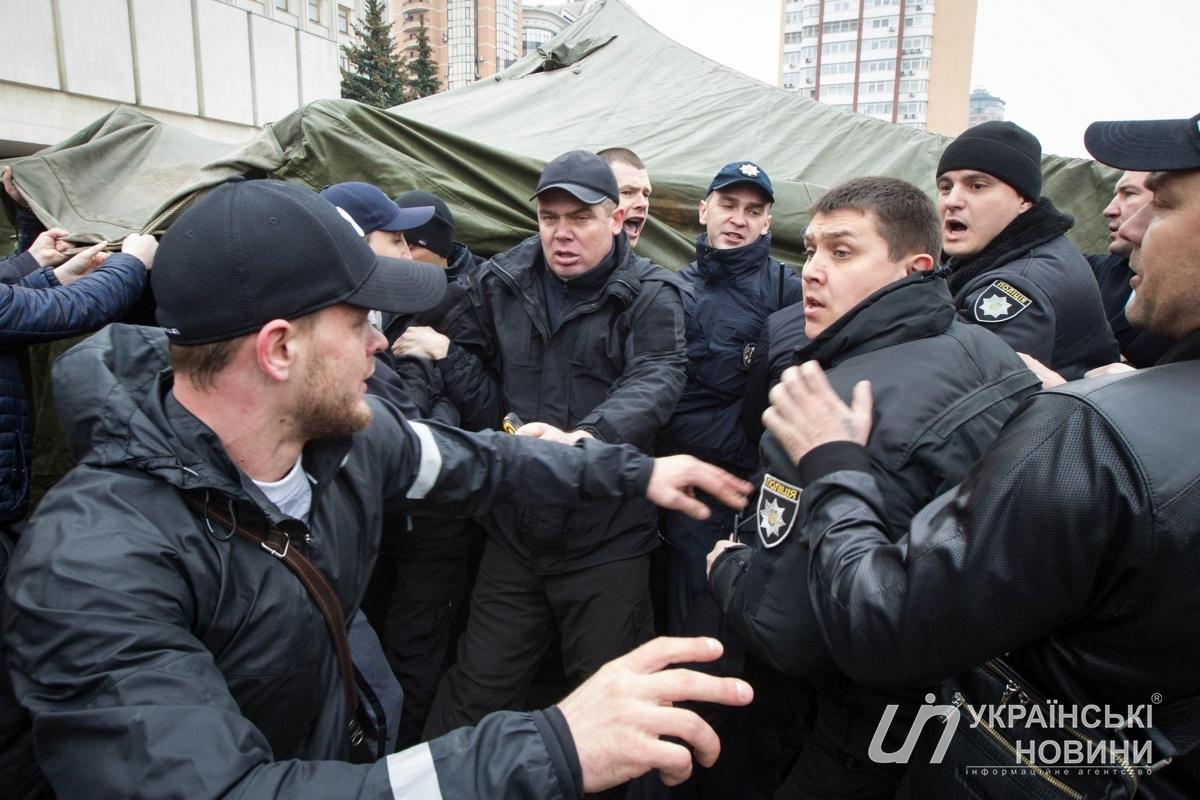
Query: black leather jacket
[1072, 546]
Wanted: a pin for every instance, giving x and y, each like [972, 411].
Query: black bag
[982, 760]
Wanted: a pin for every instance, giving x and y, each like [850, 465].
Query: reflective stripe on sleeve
[431, 462]
[411, 773]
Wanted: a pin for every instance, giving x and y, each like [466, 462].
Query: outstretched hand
[617, 716]
[675, 479]
[806, 412]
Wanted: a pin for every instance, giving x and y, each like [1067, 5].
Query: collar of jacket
[714, 264]
[118, 411]
[461, 260]
[523, 265]
[911, 308]
[1036, 226]
[1186, 349]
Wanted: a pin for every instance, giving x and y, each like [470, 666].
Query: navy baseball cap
[742, 172]
[370, 210]
[249, 252]
[1155, 145]
[585, 175]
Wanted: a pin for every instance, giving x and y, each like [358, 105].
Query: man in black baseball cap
[433, 241]
[147, 634]
[1009, 263]
[1082, 516]
[580, 338]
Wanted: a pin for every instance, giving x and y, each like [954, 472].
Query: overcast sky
[1058, 64]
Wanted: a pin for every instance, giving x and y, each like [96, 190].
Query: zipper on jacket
[1125, 766]
[960, 702]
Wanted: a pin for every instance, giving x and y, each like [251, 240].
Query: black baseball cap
[435, 234]
[249, 252]
[585, 175]
[1154, 145]
[369, 209]
[742, 172]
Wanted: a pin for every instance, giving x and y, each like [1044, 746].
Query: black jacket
[782, 334]
[1034, 290]
[1140, 348]
[161, 657]
[733, 293]
[942, 390]
[1072, 546]
[614, 366]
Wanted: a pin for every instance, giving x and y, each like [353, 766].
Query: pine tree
[377, 74]
[423, 70]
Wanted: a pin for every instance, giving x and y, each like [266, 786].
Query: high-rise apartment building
[470, 39]
[905, 61]
[985, 107]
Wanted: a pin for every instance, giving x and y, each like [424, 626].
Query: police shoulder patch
[1000, 302]
[778, 503]
[748, 356]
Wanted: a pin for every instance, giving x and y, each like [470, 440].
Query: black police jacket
[1140, 348]
[614, 365]
[734, 292]
[1072, 546]
[942, 391]
[782, 335]
[160, 656]
[1033, 289]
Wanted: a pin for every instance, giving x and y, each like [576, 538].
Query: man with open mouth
[633, 183]
[1011, 265]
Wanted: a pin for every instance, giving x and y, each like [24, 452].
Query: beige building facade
[470, 39]
[218, 68]
[905, 61]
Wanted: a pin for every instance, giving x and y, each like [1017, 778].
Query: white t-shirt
[291, 494]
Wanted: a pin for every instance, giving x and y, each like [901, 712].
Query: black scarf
[1038, 225]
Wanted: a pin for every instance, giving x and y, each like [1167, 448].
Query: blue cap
[742, 172]
[370, 210]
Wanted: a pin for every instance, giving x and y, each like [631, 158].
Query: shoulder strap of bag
[278, 544]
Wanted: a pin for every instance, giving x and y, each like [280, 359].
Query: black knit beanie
[1002, 150]
[436, 235]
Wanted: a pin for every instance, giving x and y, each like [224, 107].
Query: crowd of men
[947, 447]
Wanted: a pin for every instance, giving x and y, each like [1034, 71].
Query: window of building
[281, 5]
[343, 20]
[883, 22]
[878, 87]
[535, 38]
[908, 66]
[791, 18]
[792, 37]
[836, 90]
[917, 43]
[831, 48]
[843, 68]
[314, 10]
[914, 86]
[884, 44]
[841, 26]
[879, 65]
[808, 31]
[875, 109]
[834, 6]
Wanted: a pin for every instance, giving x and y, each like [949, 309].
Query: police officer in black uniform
[735, 285]
[1011, 265]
